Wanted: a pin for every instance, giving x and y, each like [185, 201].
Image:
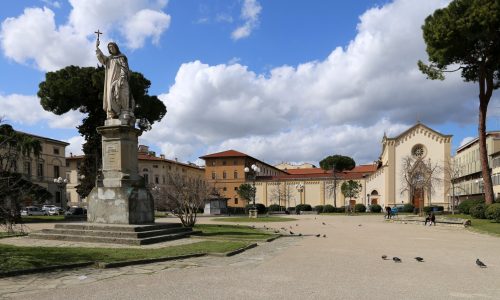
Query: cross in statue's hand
[98, 33]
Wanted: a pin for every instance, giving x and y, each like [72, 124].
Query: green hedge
[493, 212]
[303, 207]
[235, 210]
[329, 208]
[275, 207]
[261, 208]
[478, 211]
[319, 208]
[359, 207]
[465, 206]
[375, 208]
[407, 208]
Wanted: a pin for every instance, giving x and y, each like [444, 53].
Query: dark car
[75, 211]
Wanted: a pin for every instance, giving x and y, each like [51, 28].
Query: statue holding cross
[118, 102]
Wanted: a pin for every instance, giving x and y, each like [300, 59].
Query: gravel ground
[344, 265]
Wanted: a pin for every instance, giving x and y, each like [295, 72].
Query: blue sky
[280, 80]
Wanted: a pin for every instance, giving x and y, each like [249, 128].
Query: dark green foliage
[359, 207]
[275, 207]
[76, 88]
[303, 207]
[375, 208]
[492, 212]
[235, 210]
[291, 209]
[261, 208]
[477, 211]
[319, 208]
[337, 162]
[408, 208]
[465, 37]
[465, 206]
[329, 208]
[246, 192]
[434, 208]
[428, 209]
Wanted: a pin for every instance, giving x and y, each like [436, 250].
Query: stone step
[111, 240]
[115, 234]
[121, 228]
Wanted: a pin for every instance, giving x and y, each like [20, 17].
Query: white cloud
[75, 145]
[250, 12]
[13, 109]
[304, 112]
[35, 38]
[465, 140]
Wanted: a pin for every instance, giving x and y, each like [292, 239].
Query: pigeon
[396, 259]
[296, 224]
[360, 225]
[300, 234]
[419, 259]
[276, 231]
[384, 257]
[291, 232]
[480, 263]
[318, 235]
[323, 223]
[324, 235]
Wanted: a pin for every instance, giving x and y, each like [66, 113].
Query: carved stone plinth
[120, 197]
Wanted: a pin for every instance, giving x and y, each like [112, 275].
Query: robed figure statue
[118, 101]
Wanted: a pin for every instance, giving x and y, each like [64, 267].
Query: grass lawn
[480, 225]
[7, 235]
[232, 232]
[255, 220]
[19, 258]
[41, 219]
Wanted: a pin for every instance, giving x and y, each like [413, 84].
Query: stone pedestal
[120, 196]
[252, 213]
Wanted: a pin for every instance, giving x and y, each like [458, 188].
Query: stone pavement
[344, 265]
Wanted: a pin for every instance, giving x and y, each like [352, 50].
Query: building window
[224, 189]
[39, 170]
[56, 151]
[27, 168]
[235, 200]
[223, 162]
[155, 166]
[157, 179]
[146, 178]
[235, 162]
[56, 172]
[235, 188]
[67, 164]
[213, 162]
[224, 175]
[170, 167]
[213, 175]
[418, 151]
[235, 174]
[163, 179]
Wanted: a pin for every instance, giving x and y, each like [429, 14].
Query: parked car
[75, 211]
[56, 210]
[47, 207]
[33, 211]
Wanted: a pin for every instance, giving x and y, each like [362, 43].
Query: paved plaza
[344, 265]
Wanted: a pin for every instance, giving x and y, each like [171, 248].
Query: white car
[56, 210]
[33, 211]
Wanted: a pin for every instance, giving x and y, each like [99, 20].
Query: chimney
[162, 156]
[175, 159]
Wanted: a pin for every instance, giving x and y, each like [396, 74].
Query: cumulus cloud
[75, 145]
[328, 106]
[465, 140]
[250, 12]
[13, 109]
[35, 38]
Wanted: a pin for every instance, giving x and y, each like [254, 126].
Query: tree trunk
[485, 91]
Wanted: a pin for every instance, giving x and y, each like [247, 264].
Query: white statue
[118, 101]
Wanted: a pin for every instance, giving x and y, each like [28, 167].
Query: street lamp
[252, 172]
[61, 183]
[300, 189]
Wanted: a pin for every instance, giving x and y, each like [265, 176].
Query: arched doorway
[418, 198]
[374, 197]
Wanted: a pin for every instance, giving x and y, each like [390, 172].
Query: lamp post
[61, 183]
[252, 172]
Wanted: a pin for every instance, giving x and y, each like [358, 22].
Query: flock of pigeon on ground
[396, 259]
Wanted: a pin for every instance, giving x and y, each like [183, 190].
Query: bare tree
[452, 172]
[419, 175]
[184, 197]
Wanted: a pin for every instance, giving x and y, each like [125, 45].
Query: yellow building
[155, 170]
[42, 170]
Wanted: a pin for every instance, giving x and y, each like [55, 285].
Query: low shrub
[261, 208]
[427, 209]
[275, 207]
[478, 210]
[303, 207]
[465, 206]
[329, 208]
[359, 207]
[291, 209]
[439, 208]
[492, 212]
[375, 208]
[407, 208]
[319, 208]
[341, 209]
[235, 210]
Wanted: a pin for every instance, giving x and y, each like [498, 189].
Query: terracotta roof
[365, 168]
[228, 153]
[306, 171]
